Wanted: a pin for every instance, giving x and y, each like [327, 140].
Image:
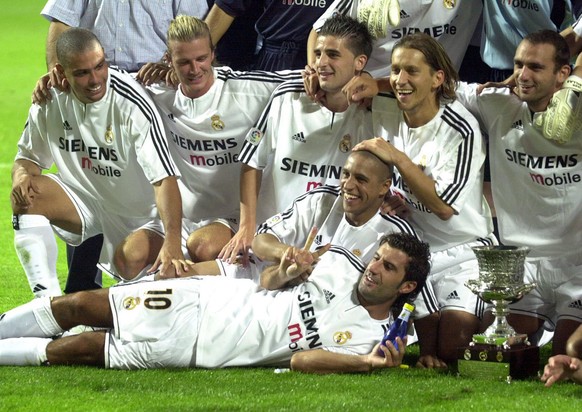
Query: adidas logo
[171, 117]
[453, 296]
[66, 125]
[300, 137]
[577, 304]
[404, 15]
[328, 295]
[517, 125]
[318, 239]
[38, 288]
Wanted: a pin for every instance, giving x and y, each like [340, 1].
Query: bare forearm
[272, 278]
[311, 40]
[321, 361]
[422, 186]
[267, 247]
[55, 29]
[427, 330]
[218, 22]
[169, 204]
[250, 184]
[24, 167]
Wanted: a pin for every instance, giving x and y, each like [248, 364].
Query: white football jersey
[205, 136]
[322, 208]
[300, 145]
[536, 182]
[451, 151]
[243, 325]
[452, 23]
[113, 149]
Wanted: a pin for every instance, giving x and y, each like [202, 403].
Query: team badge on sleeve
[274, 220]
[449, 4]
[109, 135]
[254, 136]
[342, 337]
[345, 144]
[217, 124]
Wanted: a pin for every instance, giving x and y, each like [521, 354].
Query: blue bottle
[399, 328]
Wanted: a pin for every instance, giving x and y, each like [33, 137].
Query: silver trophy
[500, 282]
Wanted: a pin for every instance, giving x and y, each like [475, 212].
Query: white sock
[34, 318]
[36, 248]
[23, 351]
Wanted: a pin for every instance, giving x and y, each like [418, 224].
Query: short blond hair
[187, 28]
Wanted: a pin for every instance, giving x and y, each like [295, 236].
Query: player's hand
[151, 73]
[24, 190]
[559, 368]
[392, 357]
[311, 84]
[381, 148]
[430, 362]
[361, 89]
[239, 244]
[510, 83]
[54, 78]
[297, 264]
[170, 261]
[394, 204]
[563, 117]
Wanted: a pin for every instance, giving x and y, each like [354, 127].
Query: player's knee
[201, 250]
[129, 262]
[574, 345]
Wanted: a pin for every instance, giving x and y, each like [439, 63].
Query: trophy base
[500, 340]
[498, 363]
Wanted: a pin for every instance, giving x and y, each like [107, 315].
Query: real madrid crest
[357, 252]
[345, 144]
[449, 4]
[130, 303]
[109, 135]
[216, 123]
[342, 337]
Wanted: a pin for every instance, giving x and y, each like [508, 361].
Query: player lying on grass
[330, 323]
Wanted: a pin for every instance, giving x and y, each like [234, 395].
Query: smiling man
[438, 152]
[537, 185]
[115, 171]
[206, 119]
[331, 323]
[299, 144]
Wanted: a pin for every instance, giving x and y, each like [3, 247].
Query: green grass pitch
[22, 36]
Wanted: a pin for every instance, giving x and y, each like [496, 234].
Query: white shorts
[451, 269]
[558, 294]
[188, 227]
[155, 324]
[95, 220]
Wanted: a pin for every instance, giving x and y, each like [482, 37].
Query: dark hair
[562, 54]
[359, 39]
[436, 57]
[418, 267]
[74, 41]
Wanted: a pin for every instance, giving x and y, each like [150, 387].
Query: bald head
[73, 42]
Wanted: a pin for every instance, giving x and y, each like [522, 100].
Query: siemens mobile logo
[562, 177]
[311, 330]
[309, 3]
[434, 31]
